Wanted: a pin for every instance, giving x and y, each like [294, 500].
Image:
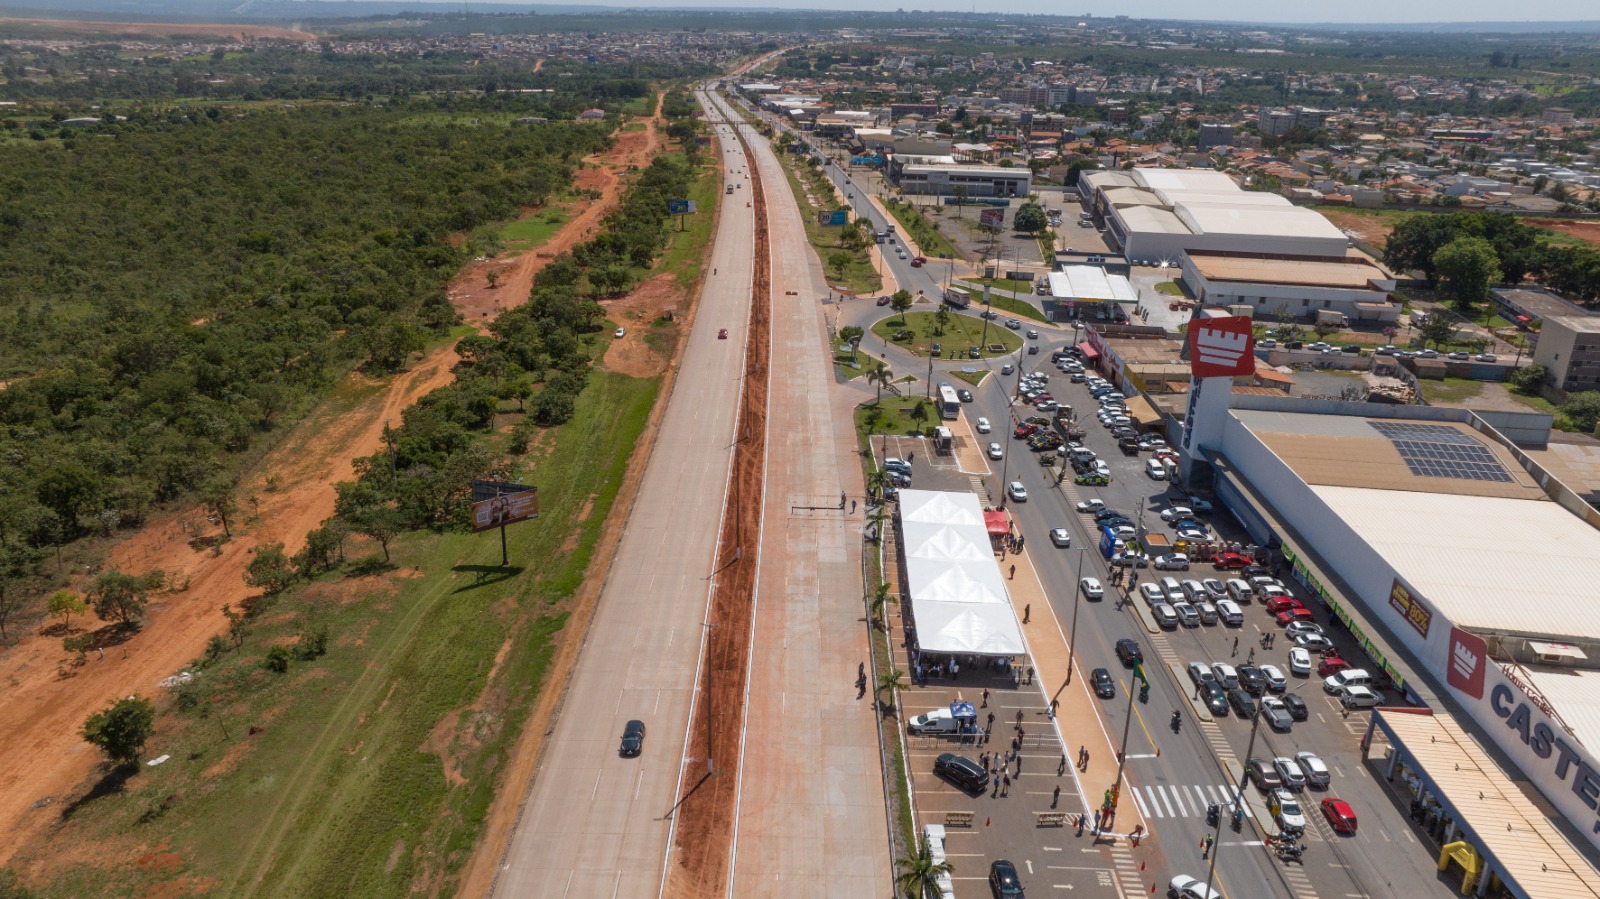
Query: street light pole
[1072, 637]
[1238, 796]
[1122, 753]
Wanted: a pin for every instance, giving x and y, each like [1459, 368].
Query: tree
[852, 335]
[1439, 329]
[901, 302]
[1528, 379]
[960, 193]
[1468, 266]
[1413, 243]
[941, 320]
[879, 601]
[217, 494]
[919, 873]
[492, 278]
[1582, 409]
[839, 262]
[1030, 219]
[1324, 329]
[888, 682]
[66, 603]
[118, 596]
[883, 377]
[121, 729]
[270, 569]
[380, 522]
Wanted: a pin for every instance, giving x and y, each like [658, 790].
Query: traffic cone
[985, 822]
[1152, 889]
[1141, 866]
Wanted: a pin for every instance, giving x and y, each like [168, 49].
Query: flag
[1138, 673]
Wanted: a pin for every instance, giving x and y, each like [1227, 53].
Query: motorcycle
[1177, 721]
[1238, 819]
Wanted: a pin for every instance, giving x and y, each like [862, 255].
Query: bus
[949, 403]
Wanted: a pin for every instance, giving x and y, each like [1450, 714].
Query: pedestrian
[991, 720]
[1018, 760]
[841, 500]
[1252, 656]
[1235, 648]
[1056, 796]
[985, 700]
[911, 457]
[1053, 703]
[1062, 768]
[1022, 542]
[1030, 674]
[1013, 573]
[1207, 852]
[861, 669]
[852, 507]
[1006, 780]
[1019, 719]
[955, 669]
[1027, 610]
[996, 785]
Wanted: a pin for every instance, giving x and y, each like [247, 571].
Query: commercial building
[1569, 348]
[1215, 134]
[1299, 285]
[1467, 573]
[1527, 305]
[1089, 291]
[977, 180]
[1156, 215]
[1277, 122]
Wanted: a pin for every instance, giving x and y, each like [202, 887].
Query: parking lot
[1172, 775]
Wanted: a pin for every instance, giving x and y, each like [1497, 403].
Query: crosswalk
[1217, 741]
[1299, 884]
[1129, 878]
[1184, 800]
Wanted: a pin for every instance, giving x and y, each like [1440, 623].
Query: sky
[1265, 11]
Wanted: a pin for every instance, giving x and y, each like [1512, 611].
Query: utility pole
[1238, 796]
[1072, 637]
[711, 719]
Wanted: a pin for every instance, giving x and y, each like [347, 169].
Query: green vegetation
[1011, 284]
[1449, 390]
[907, 415]
[1520, 252]
[1018, 308]
[957, 334]
[925, 232]
[844, 249]
[975, 378]
[532, 230]
[1171, 289]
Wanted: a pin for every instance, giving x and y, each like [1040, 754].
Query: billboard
[1411, 607]
[1221, 347]
[496, 504]
[834, 217]
[992, 218]
[680, 207]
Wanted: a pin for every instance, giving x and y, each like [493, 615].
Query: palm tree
[919, 875]
[878, 518]
[889, 681]
[881, 597]
[883, 377]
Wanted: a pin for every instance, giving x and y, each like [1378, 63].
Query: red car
[722, 333]
[883, 301]
[1296, 614]
[917, 262]
[1341, 817]
[1281, 603]
[1025, 430]
[1226, 561]
[1331, 665]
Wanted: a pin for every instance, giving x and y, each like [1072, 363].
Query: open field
[158, 29]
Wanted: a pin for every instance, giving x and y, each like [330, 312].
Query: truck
[938, 721]
[944, 440]
[957, 298]
[1332, 317]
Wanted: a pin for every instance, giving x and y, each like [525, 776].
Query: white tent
[958, 598]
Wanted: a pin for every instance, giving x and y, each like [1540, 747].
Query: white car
[1152, 593]
[1296, 628]
[1360, 698]
[1101, 468]
[1287, 812]
[1300, 662]
[1060, 537]
[1294, 778]
[1316, 770]
[1176, 513]
[983, 426]
[1192, 533]
[1172, 562]
[1091, 505]
[1091, 588]
[1215, 588]
[1017, 492]
[620, 332]
[1231, 614]
[1273, 675]
[938, 721]
[995, 452]
[1185, 887]
[1155, 470]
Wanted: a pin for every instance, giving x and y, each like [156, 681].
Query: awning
[996, 523]
[1142, 413]
[1562, 650]
[1089, 352]
[1523, 318]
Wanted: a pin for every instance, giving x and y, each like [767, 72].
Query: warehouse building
[1156, 215]
[977, 180]
[1299, 285]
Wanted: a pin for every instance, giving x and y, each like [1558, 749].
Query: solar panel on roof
[1440, 451]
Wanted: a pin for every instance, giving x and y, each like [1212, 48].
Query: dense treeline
[535, 354]
[168, 295]
[1522, 251]
[95, 73]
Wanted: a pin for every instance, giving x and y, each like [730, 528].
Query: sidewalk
[1077, 719]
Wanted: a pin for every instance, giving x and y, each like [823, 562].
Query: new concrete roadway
[596, 824]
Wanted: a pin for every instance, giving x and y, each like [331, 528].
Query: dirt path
[42, 759]
[479, 303]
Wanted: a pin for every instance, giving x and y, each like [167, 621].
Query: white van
[1239, 591]
[938, 721]
[1155, 470]
[1350, 677]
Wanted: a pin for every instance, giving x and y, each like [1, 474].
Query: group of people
[937, 666]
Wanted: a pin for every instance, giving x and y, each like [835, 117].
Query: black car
[1103, 514]
[937, 350]
[1296, 706]
[1129, 652]
[1244, 705]
[1251, 680]
[1003, 880]
[1216, 699]
[1104, 686]
[973, 353]
[632, 738]
[962, 771]
[1250, 571]
[966, 395]
[1033, 350]
[1129, 445]
[1351, 348]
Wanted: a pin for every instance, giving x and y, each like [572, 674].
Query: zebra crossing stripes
[976, 480]
[1129, 879]
[1184, 800]
[1216, 740]
[1299, 884]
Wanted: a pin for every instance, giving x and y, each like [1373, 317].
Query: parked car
[1300, 661]
[1155, 470]
[1225, 674]
[1226, 561]
[1250, 678]
[1288, 616]
[1216, 699]
[1277, 715]
[1091, 505]
[1313, 642]
[1341, 817]
[1104, 686]
[1244, 705]
[1278, 603]
[1331, 664]
[1296, 706]
[1129, 560]
[1129, 652]
[620, 333]
[962, 771]
[1276, 682]
[1350, 677]
[1230, 613]
[1200, 673]
[1296, 628]
[1360, 698]
[1188, 614]
[1165, 616]
[1286, 811]
[1172, 562]
[1152, 593]
[1214, 589]
[1183, 886]
[938, 721]
[1261, 773]
[1316, 770]
[632, 739]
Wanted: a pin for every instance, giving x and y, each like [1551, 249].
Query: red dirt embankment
[704, 830]
[237, 32]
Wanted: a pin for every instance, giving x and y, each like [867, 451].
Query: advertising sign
[1411, 607]
[1468, 656]
[680, 207]
[1221, 347]
[992, 218]
[496, 504]
[834, 217]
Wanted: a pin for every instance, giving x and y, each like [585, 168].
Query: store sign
[1190, 417]
[1221, 347]
[1411, 608]
[1556, 763]
[1469, 655]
